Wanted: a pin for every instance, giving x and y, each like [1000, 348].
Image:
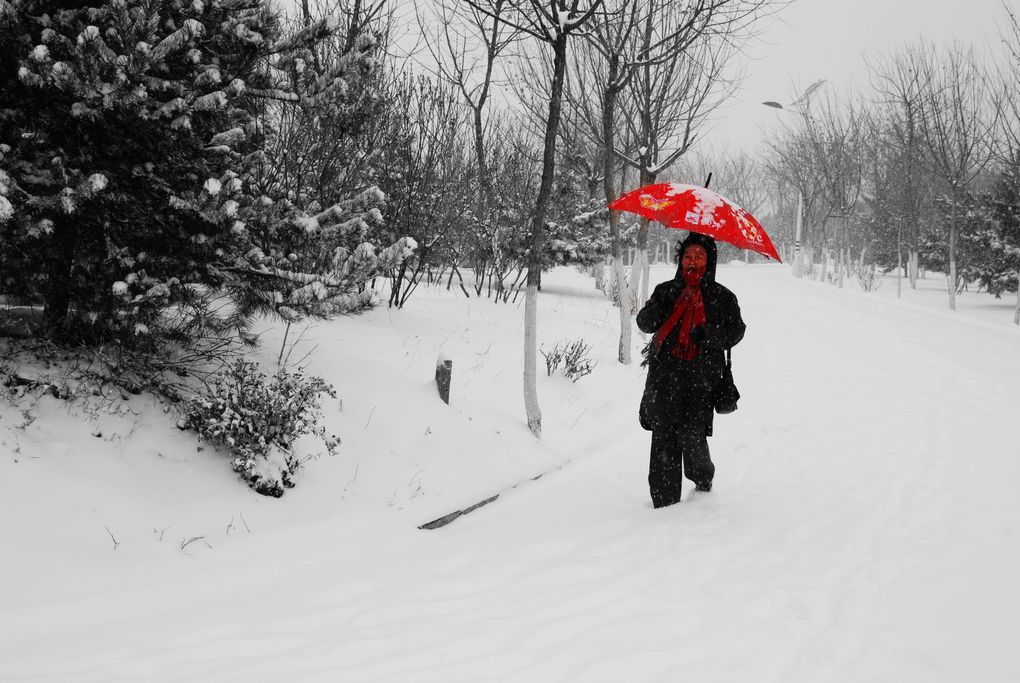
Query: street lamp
[799, 106]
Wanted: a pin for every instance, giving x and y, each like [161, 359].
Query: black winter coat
[678, 394]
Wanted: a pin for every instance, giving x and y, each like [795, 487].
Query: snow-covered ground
[863, 527]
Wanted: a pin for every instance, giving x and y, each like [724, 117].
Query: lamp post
[799, 106]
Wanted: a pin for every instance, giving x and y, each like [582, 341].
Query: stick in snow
[456, 514]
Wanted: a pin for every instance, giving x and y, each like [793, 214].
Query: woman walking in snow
[694, 320]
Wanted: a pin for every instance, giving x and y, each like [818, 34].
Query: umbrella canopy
[698, 209]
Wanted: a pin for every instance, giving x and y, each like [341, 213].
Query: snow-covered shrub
[576, 363]
[869, 278]
[259, 420]
[573, 356]
[553, 359]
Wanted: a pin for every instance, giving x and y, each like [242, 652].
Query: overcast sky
[813, 39]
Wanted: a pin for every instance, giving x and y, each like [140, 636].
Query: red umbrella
[698, 209]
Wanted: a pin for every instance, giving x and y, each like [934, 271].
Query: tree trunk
[841, 256]
[640, 282]
[483, 171]
[825, 264]
[642, 261]
[847, 259]
[899, 266]
[615, 241]
[531, 407]
[952, 259]
[398, 283]
[1016, 314]
[58, 294]
[623, 301]
[534, 412]
[800, 245]
[645, 270]
[600, 276]
[354, 28]
[912, 267]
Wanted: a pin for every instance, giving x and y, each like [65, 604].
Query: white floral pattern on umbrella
[689, 207]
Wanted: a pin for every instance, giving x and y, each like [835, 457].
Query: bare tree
[740, 177]
[611, 41]
[670, 56]
[900, 81]
[552, 24]
[956, 126]
[835, 136]
[579, 134]
[884, 187]
[684, 53]
[792, 161]
[424, 172]
[466, 44]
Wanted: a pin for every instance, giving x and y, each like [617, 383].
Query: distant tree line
[918, 171]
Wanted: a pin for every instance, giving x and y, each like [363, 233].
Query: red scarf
[690, 313]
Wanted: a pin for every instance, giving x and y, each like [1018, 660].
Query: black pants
[675, 453]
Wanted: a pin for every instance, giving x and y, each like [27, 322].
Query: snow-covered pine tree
[581, 241]
[120, 126]
[126, 94]
[993, 242]
[314, 234]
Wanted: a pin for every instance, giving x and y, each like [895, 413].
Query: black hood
[705, 241]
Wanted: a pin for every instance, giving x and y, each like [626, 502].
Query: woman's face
[695, 258]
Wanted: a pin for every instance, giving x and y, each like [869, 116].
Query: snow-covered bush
[573, 356]
[257, 421]
[553, 359]
[868, 278]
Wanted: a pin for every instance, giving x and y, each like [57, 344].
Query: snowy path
[860, 529]
[864, 527]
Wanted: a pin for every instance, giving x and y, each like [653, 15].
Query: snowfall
[864, 524]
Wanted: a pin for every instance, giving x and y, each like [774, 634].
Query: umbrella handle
[708, 180]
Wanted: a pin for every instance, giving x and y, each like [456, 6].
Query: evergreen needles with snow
[132, 161]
